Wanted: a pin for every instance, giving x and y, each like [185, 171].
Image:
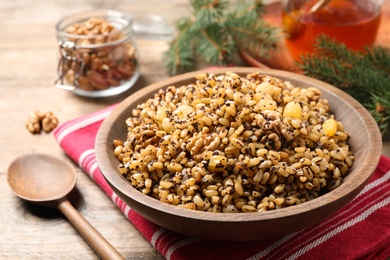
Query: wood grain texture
[28, 61]
[365, 142]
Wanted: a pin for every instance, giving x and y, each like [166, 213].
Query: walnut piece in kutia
[38, 121]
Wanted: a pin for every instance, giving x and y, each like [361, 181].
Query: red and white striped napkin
[361, 230]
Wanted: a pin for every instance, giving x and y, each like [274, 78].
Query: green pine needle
[207, 11]
[215, 31]
[380, 112]
[364, 75]
[180, 55]
[214, 45]
[258, 36]
[379, 57]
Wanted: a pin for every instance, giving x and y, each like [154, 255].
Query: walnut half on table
[38, 121]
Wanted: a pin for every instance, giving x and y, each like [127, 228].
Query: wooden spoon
[291, 21]
[47, 180]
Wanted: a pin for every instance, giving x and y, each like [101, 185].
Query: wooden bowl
[365, 142]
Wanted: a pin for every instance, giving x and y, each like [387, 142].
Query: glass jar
[98, 55]
[352, 22]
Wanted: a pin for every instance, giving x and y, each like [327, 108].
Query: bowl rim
[122, 185]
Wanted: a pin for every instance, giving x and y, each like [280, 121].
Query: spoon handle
[98, 243]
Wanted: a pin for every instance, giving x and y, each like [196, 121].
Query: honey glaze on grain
[350, 22]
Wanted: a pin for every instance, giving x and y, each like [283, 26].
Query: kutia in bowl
[238, 153]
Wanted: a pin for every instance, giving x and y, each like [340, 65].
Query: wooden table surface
[28, 61]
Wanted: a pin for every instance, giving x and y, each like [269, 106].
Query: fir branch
[330, 47]
[364, 75]
[379, 57]
[213, 6]
[214, 45]
[207, 12]
[380, 110]
[180, 55]
[184, 24]
[359, 82]
[215, 33]
[248, 31]
[259, 37]
[258, 6]
[255, 8]
[350, 70]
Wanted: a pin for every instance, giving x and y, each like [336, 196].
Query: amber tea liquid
[350, 22]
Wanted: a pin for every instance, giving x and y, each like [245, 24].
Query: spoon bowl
[29, 182]
[47, 180]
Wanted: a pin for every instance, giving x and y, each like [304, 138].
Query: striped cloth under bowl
[361, 230]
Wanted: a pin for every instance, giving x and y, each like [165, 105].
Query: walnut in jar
[98, 53]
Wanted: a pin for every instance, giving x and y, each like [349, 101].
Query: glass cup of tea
[352, 22]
